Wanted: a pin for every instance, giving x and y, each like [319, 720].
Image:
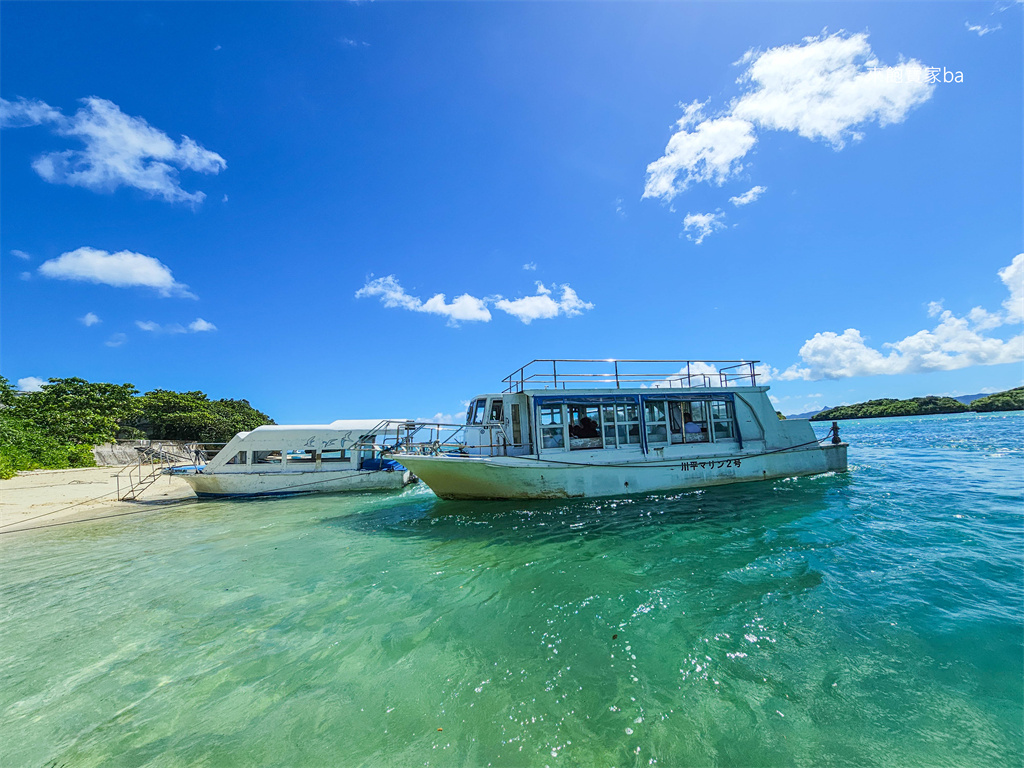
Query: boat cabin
[542, 413]
[340, 445]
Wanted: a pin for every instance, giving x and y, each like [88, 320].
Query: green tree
[168, 415]
[7, 395]
[888, 407]
[79, 412]
[24, 445]
[1010, 400]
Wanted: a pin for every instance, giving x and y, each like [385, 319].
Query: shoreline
[47, 497]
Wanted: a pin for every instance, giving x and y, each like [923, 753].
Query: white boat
[324, 458]
[562, 429]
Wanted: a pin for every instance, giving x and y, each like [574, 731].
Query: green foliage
[1010, 400]
[779, 414]
[57, 427]
[915, 406]
[24, 446]
[170, 415]
[6, 393]
[79, 412]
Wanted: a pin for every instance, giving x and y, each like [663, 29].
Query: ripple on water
[866, 618]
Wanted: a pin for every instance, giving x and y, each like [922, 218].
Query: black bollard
[835, 433]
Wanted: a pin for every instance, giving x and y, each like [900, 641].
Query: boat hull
[462, 477]
[227, 484]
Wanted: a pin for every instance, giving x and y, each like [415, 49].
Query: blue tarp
[387, 465]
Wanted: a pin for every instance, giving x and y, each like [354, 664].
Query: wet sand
[58, 496]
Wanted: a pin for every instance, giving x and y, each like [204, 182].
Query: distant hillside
[968, 399]
[807, 415]
[1010, 400]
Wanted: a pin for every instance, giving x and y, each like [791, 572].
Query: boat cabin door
[485, 426]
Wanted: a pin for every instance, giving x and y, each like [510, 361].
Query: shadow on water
[762, 505]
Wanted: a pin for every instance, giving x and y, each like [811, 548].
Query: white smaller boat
[289, 459]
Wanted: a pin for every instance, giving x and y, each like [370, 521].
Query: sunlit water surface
[873, 618]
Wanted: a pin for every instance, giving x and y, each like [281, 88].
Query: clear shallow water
[873, 618]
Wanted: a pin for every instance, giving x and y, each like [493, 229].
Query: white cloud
[471, 308]
[825, 88]
[618, 207]
[391, 293]
[90, 319]
[120, 150]
[25, 275]
[464, 307]
[703, 225]
[199, 326]
[981, 29]
[21, 254]
[1013, 277]
[739, 376]
[124, 269]
[196, 326]
[543, 306]
[530, 266]
[31, 384]
[828, 86]
[25, 113]
[749, 196]
[956, 342]
[116, 340]
[711, 152]
[765, 373]
[446, 418]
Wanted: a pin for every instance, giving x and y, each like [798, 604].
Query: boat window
[621, 424]
[497, 410]
[301, 457]
[551, 426]
[656, 418]
[241, 457]
[695, 422]
[627, 424]
[675, 421]
[266, 457]
[517, 427]
[327, 456]
[476, 412]
[721, 419]
[584, 427]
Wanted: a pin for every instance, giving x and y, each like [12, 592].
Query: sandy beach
[62, 496]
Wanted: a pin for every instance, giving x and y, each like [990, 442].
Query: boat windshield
[476, 412]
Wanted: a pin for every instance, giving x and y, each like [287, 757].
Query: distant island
[1010, 400]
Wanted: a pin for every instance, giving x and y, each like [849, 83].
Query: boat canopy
[656, 374]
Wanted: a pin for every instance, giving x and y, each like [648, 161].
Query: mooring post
[835, 433]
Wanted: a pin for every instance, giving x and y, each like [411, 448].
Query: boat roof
[347, 426]
[343, 424]
[560, 374]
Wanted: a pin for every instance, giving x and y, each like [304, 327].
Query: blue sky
[267, 200]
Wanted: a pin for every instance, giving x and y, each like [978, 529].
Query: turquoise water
[867, 619]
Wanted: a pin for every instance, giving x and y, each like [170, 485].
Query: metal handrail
[728, 372]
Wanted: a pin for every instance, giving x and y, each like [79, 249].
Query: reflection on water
[866, 618]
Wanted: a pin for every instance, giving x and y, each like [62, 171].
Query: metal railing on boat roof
[561, 374]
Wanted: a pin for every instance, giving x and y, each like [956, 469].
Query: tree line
[56, 427]
[1010, 400]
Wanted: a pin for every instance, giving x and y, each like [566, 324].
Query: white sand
[46, 497]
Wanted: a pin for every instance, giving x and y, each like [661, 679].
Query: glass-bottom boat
[281, 459]
[562, 429]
